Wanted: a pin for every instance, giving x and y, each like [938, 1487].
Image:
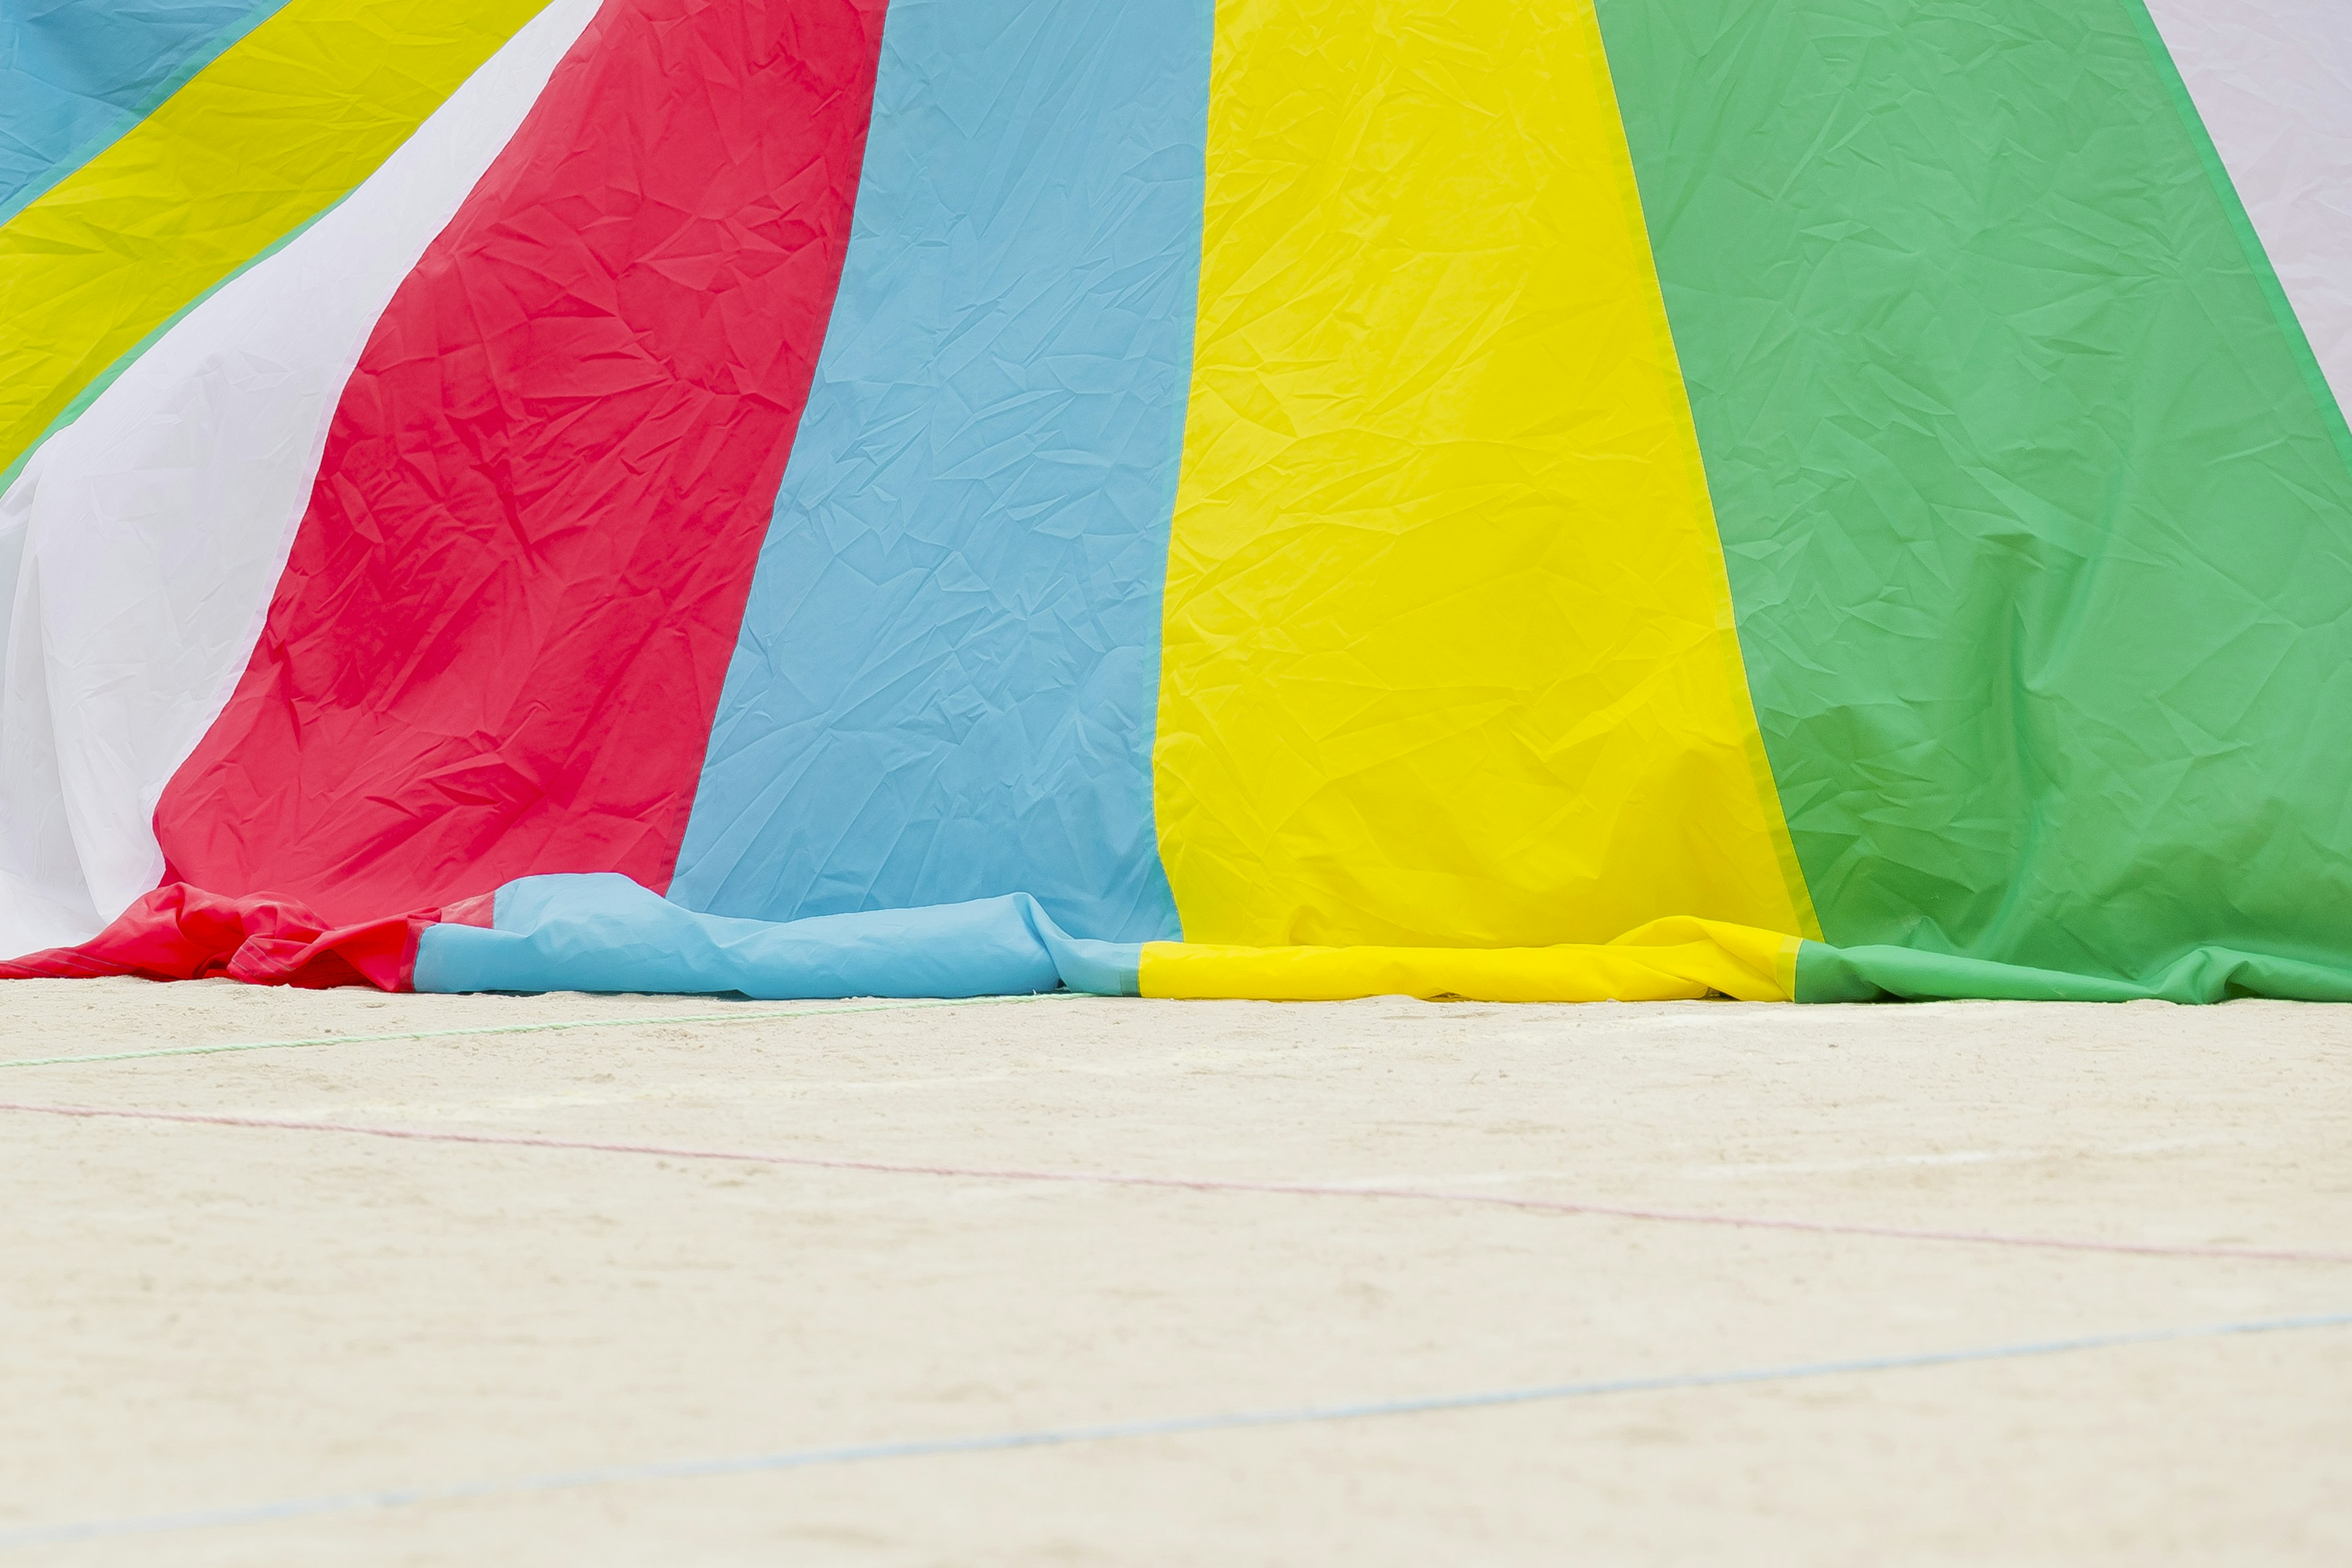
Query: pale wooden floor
[199, 1317]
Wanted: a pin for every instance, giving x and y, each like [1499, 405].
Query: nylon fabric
[945, 682]
[1676, 959]
[2203, 975]
[178, 933]
[96, 386]
[2271, 80]
[2040, 538]
[507, 613]
[605, 932]
[157, 525]
[278, 127]
[1600, 500]
[77, 74]
[1448, 652]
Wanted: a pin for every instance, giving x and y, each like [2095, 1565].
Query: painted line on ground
[1162, 1427]
[1190, 1183]
[535, 1029]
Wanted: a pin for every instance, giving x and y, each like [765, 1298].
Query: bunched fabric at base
[1196, 498]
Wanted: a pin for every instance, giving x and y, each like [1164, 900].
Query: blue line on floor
[1161, 1426]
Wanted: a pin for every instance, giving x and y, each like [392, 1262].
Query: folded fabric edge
[606, 933]
[180, 933]
[603, 933]
[1676, 959]
[2206, 973]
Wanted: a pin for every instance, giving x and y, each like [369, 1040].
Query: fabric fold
[605, 932]
[179, 933]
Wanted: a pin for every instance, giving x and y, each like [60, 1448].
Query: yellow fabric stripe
[1668, 960]
[280, 127]
[1449, 656]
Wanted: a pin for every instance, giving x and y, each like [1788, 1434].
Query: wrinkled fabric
[1809, 500]
[1448, 655]
[152, 533]
[504, 622]
[1675, 959]
[2272, 82]
[944, 683]
[2040, 533]
[269, 134]
[606, 933]
[76, 74]
[179, 933]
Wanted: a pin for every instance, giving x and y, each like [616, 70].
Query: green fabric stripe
[1826, 973]
[2258, 257]
[2041, 541]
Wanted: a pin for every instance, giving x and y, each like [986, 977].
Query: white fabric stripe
[148, 536]
[2273, 81]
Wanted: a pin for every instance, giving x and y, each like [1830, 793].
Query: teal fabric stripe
[2041, 543]
[947, 680]
[76, 74]
[604, 932]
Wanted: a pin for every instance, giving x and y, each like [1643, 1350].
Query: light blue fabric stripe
[76, 74]
[947, 675]
[604, 932]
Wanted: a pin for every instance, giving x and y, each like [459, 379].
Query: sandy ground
[203, 1317]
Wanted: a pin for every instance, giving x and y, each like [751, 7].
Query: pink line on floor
[1205, 1184]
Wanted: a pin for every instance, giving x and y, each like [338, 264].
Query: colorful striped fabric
[1288, 499]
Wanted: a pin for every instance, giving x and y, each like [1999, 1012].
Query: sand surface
[199, 1317]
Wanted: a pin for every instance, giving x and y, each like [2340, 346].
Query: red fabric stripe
[501, 634]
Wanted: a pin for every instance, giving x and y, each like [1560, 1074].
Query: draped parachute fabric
[1286, 498]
